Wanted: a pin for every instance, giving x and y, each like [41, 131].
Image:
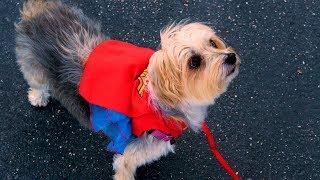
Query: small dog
[190, 70]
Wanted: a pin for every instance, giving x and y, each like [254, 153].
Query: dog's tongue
[214, 149]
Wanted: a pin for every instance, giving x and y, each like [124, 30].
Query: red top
[114, 77]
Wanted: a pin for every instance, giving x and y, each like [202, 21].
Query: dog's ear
[167, 34]
[165, 78]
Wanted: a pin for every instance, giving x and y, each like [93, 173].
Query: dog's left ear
[165, 78]
[167, 34]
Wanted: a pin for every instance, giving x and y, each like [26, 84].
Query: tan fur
[34, 8]
[172, 82]
[166, 78]
[39, 97]
[142, 151]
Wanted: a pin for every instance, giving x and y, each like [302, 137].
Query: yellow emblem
[143, 81]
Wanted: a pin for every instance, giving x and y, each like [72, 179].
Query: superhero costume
[114, 84]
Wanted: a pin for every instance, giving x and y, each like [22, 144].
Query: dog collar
[161, 136]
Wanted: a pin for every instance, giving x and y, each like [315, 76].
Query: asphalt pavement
[267, 125]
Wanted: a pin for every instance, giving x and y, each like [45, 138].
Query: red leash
[216, 153]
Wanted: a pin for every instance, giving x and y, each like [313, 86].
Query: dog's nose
[230, 59]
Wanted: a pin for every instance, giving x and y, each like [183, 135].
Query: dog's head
[193, 65]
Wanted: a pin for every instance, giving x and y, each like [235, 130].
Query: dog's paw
[122, 175]
[123, 170]
[38, 98]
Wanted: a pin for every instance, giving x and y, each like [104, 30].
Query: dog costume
[114, 83]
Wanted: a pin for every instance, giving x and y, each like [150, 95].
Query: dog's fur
[186, 74]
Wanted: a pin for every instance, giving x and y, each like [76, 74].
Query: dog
[191, 68]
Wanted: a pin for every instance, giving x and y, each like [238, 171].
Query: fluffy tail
[61, 36]
[33, 8]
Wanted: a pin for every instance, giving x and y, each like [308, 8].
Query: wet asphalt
[267, 125]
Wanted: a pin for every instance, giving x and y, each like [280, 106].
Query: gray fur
[53, 41]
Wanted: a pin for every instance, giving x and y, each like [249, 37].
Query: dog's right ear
[165, 79]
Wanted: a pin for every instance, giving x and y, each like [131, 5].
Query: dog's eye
[195, 62]
[213, 44]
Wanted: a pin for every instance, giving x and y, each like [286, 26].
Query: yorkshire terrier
[191, 68]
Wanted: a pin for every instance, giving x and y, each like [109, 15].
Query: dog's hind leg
[35, 76]
[142, 151]
[27, 53]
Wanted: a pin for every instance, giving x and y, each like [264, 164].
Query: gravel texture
[267, 125]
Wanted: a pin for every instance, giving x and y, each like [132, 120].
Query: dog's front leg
[142, 151]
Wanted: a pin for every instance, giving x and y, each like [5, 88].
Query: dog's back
[53, 41]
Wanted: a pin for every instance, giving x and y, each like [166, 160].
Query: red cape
[114, 78]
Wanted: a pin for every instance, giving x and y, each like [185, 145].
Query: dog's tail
[60, 36]
[34, 8]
